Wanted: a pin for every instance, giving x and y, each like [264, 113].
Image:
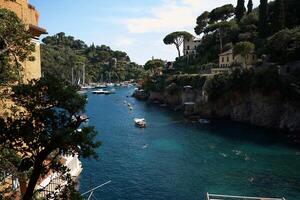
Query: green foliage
[61, 54]
[177, 39]
[279, 20]
[173, 83]
[202, 22]
[222, 13]
[243, 48]
[154, 64]
[45, 126]
[284, 46]
[263, 18]
[15, 46]
[240, 10]
[266, 81]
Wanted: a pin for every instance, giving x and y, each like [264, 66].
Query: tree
[250, 7]
[279, 23]
[201, 22]
[61, 54]
[15, 46]
[243, 49]
[263, 18]
[248, 27]
[177, 39]
[153, 64]
[221, 13]
[284, 46]
[216, 22]
[240, 10]
[46, 126]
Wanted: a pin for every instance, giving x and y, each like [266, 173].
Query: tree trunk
[221, 41]
[178, 49]
[36, 172]
[33, 180]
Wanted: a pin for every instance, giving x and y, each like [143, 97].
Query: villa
[227, 59]
[190, 46]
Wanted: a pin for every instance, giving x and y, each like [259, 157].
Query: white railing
[229, 197]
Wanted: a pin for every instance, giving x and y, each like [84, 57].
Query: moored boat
[140, 122]
[204, 121]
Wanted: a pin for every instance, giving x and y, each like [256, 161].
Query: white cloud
[174, 15]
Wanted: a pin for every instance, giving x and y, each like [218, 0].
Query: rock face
[253, 107]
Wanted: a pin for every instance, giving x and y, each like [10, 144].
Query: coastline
[251, 108]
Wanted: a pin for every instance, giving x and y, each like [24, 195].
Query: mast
[72, 75]
[83, 74]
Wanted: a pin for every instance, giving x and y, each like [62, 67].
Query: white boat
[110, 84]
[204, 121]
[81, 92]
[101, 86]
[140, 122]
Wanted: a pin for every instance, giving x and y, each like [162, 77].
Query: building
[227, 58]
[190, 46]
[227, 61]
[30, 17]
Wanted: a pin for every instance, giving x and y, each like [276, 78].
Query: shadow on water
[235, 131]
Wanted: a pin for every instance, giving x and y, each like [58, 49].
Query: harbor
[174, 158]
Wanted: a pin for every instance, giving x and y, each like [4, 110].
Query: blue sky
[134, 26]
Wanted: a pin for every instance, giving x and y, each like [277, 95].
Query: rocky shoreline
[252, 107]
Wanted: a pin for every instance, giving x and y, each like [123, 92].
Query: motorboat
[101, 91]
[140, 122]
[204, 121]
[101, 86]
[110, 84]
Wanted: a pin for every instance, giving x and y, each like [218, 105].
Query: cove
[176, 159]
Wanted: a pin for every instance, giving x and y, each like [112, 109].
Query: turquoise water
[175, 159]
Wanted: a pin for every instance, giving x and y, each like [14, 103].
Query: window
[222, 59]
[253, 57]
[227, 58]
[188, 47]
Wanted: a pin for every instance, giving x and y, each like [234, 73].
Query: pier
[229, 197]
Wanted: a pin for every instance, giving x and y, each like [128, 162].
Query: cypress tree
[279, 22]
[263, 18]
[250, 6]
[240, 10]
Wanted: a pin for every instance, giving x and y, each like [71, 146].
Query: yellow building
[227, 58]
[30, 17]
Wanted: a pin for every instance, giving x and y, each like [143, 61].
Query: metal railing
[229, 197]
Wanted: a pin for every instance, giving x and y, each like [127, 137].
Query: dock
[229, 197]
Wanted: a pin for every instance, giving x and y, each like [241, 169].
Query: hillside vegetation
[61, 54]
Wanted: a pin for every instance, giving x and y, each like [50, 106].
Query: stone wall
[26, 12]
[30, 16]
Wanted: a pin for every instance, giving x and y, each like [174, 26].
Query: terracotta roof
[36, 31]
[230, 51]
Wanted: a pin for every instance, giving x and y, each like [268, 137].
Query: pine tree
[240, 10]
[250, 6]
[279, 22]
[263, 18]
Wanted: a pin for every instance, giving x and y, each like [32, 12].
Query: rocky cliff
[252, 107]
